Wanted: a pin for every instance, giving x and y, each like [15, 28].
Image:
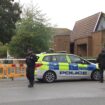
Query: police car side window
[54, 58]
[61, 58]
[46, 58]
[75, 59]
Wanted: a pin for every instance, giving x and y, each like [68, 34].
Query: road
[74, 92]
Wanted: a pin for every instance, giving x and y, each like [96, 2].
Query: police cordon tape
[12, 70]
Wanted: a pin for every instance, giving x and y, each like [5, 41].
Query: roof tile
[84, 27]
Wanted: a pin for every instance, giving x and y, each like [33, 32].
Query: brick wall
[98, 40]
[103, 38]
[62, 43]
[83, 46]
[96, 43]
[93, 44]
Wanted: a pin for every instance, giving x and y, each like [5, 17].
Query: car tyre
[95, 75]
[49, 77]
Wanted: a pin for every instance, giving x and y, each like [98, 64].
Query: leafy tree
[9, 14]
[32, 31]
[3, 50]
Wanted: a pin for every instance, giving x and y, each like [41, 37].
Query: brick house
[61, 40]
[88, 36]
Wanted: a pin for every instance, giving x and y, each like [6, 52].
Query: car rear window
[58, 58]
[46, 58]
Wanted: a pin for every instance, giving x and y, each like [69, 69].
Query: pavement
[77, 92]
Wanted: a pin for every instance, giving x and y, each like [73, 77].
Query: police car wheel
[96, 75]
[49, 77]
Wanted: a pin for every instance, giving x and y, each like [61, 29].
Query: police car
[63, 66]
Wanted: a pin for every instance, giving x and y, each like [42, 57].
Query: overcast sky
[64, 13]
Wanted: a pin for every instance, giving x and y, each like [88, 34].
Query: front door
[60, 65]
[78, 67]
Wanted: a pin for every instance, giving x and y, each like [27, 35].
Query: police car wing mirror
[82, 61]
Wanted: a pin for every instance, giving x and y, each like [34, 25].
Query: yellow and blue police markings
[79, 69]
[65, 69]
[63, 66]
[68, 69]
[75, 69]
[58, 66]
[53, 66]
[71, 69]
[44, 67]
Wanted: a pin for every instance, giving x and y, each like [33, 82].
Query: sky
[64, 13]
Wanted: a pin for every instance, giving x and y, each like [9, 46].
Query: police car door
[77, 67]
[63, 66]
[60, 65]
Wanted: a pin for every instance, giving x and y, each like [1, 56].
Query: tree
[32, 31]
[9, 15]
[3, 50]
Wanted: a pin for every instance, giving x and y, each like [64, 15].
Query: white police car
[61, 66]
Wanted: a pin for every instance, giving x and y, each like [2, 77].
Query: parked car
[61, 66]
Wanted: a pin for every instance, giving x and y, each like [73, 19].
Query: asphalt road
[59, 93]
